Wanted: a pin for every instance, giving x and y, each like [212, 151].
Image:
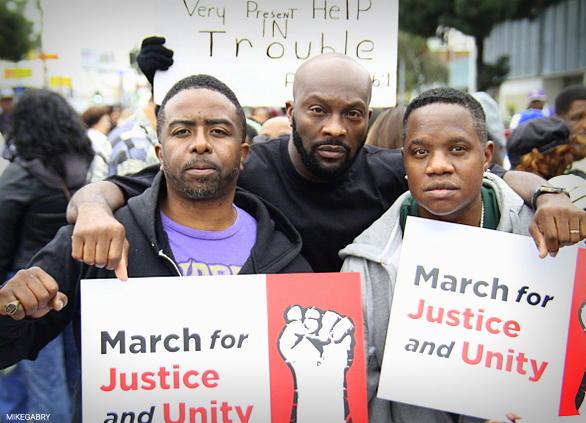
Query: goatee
[320, 172]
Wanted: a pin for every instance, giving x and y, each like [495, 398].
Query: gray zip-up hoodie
[375, 254]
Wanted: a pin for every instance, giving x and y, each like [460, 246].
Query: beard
[204, 187]
[319, 171]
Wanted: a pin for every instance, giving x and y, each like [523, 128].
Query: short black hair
[448, 95]
[567, 96]
[202, 81]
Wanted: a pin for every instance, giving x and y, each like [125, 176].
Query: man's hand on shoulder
[556, 223]
[99, 239]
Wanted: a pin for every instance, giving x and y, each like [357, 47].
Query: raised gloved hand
[153, 56]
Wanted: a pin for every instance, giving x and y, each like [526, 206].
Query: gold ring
[11, 307]
[574, 231]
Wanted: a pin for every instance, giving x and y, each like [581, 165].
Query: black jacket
[32, 208]
[277, 250]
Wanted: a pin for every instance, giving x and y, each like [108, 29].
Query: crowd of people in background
[126, 146]
[51, 151]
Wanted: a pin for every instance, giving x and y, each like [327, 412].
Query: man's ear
[159, 153]
[488, 152]
[244, 150]
[289, 109]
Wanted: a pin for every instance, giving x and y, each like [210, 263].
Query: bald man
[322, 176]
[275, 127]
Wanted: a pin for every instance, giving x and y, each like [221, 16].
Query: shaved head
[336, 68]
[329, 115]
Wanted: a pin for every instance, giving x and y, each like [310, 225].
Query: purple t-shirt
[202, 253]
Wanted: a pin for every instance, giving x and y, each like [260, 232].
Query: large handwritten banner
[255, 46]
[480, 325]
[252, 348]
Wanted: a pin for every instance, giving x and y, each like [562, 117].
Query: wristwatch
[546, 189]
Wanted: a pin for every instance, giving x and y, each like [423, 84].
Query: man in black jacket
[193, 201]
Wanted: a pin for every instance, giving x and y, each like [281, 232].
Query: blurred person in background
[6, 106]
[50, 157]
[252, 129]
[260, 115]
[386, 131]
[536, 98]
[549, 149]
[3, 162]
[276, 126]
[570, 105]
[133, 142]
[115, 112]
[494, 127]
[97, 121]
[273, 128]
[544, 147]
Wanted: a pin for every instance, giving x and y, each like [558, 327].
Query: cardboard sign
[480, 325]
[255, 46]
[251, 348]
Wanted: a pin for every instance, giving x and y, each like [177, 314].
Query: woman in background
[387, 129]
[50, 156]
[544, 146]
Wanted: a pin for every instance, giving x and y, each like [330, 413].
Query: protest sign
[250, 348]
[480, 325]
[255, 46]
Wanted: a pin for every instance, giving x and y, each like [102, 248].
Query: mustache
[331, 141]
[199, 161]
[441, 185]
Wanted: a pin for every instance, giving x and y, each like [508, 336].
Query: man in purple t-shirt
[192, 220]
[202, 253]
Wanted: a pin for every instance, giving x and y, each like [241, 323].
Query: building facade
[547, 52]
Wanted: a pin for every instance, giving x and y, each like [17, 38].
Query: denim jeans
[45, 385]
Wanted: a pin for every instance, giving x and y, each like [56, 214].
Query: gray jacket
[375, 254]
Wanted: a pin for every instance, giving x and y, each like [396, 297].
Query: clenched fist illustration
[318, 347]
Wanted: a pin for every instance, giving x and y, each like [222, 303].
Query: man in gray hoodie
[446, 154]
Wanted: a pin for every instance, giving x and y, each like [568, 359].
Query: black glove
[153, 56]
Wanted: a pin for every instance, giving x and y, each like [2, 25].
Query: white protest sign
[256, 46]
[479, 324]
[223, 349]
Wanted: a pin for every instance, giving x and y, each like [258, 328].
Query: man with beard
[192, 221]
[322, 177]
[328, 183]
